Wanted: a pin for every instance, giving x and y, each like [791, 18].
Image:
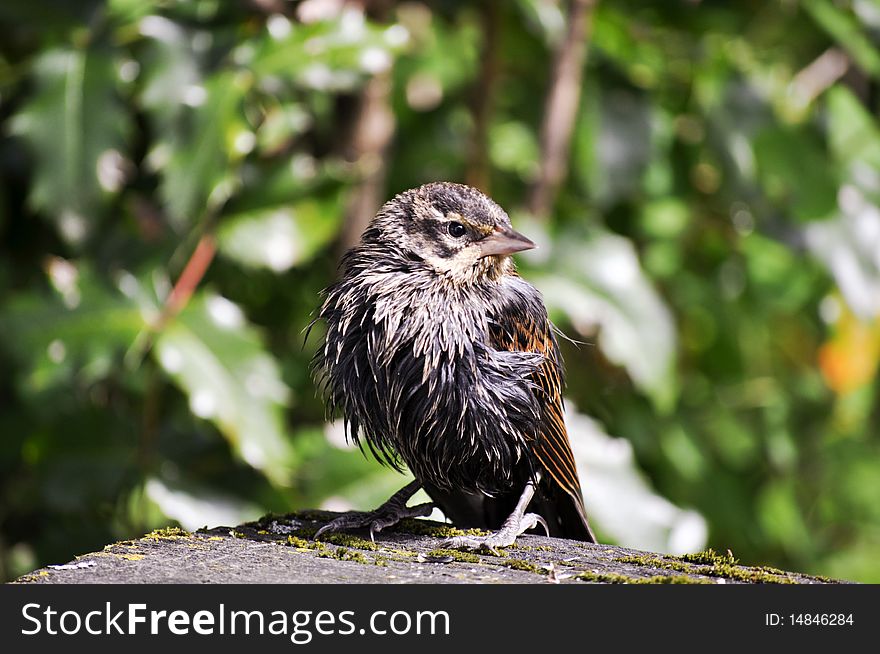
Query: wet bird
[441, 357]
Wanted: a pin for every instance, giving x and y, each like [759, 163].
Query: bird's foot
[385, 516]
[504, 537]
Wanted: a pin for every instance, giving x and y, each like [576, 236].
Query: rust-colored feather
[551, 446]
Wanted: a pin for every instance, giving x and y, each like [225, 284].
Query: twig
[189, 280]
[373, 130]
[180, 295]
[371, 135]
[817, 77]
[560, 108]
[477, 173]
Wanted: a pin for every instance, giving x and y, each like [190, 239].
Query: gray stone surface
[281, 549]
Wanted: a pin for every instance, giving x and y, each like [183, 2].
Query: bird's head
[455, 229]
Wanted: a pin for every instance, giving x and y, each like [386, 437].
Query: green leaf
[285, 219]
[844, 28]
[635, 47]
[334, 54]
[129, 11]
[782, 518]
[601, 284]
[171, 77]
[219, 360]
[853, 135]
[847, 245]
[547, 17]
[281, 125]
[281, 237]
[513, 147]
[666, 217]
[197, 175]
[56, 340]
[793, 169]
[73, 122]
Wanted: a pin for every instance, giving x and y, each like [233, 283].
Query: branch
[373, 130]
[193, 272]
[560, 109]
[371, 136]
[477, 173]
[821, 74]
[189, 279]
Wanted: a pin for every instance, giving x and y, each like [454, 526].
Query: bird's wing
[530, 331]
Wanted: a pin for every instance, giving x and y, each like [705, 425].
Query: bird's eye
[456, 230]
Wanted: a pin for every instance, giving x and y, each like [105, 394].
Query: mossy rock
[283, 549]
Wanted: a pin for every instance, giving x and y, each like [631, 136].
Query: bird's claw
[384, 516]
[504, 537]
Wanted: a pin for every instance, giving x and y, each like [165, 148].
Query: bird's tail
[565, 514]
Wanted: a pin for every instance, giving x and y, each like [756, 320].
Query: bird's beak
[504, 241]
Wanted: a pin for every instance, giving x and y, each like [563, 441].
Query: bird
[441, 358]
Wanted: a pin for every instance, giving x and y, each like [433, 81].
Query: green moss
[530, 548]
[113, 550]
[302, 543]
[168, 533]
[638, 560]
[750, 575]
[519, 564]
[770, 570]
[822, 579]
[425, 528]
[347, 540]
[709, 557]
[305, 532]
[614, 578]
[603, 578]
[121, 543]
[464, 557]
[403, 556]
[31, 578]
[776, 571]
[721, 566]
[343, 554]
[655, 562]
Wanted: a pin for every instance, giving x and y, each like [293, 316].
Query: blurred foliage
[717, 238]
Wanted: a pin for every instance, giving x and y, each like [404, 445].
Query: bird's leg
[390, 513]
[517, 522]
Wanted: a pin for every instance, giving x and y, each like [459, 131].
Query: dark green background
[715, 244]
